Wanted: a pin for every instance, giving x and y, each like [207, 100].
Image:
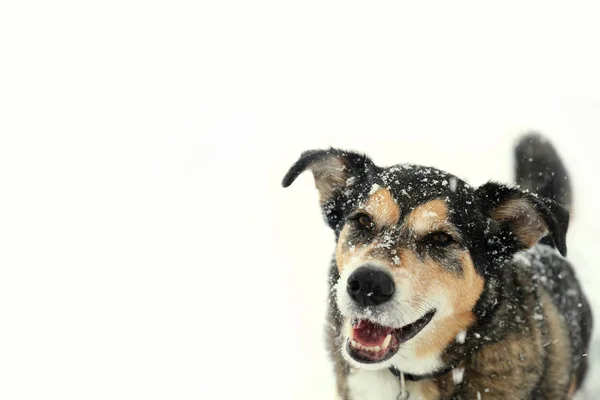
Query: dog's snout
[369, 286]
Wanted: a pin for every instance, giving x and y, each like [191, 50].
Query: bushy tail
[540, 170]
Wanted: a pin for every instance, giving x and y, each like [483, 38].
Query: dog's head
[415, 249]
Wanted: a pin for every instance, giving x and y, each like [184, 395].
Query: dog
[440, 290]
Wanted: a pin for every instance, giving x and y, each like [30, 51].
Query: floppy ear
[338, 174]
[522, 219]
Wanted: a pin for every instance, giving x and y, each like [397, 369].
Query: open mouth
[371, 343]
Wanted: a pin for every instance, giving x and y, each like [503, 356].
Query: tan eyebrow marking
[382, 208]
[429, 217]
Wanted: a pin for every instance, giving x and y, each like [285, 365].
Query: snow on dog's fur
[430, 277]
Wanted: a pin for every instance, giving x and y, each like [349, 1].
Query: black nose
[369, 286]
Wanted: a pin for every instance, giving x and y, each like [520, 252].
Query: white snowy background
[147, 249]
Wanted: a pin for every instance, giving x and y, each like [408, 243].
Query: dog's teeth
[376, 349]
[387, 341]
[354, 344]
[350, 331]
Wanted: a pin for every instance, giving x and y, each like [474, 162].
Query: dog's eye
[364, 220]
[441, 238]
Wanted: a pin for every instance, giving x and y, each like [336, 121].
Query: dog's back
[540, 170]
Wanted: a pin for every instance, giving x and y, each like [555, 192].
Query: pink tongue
[369, 334]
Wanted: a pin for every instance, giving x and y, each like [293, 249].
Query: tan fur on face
[427, 277]
[382, 208]
[430, 278]
[525, 221]
[429, 217]
[344, 251]
[385, 213]
[462, 291]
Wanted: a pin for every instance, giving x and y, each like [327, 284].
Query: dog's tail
[540, 170]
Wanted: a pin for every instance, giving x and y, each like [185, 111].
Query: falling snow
[457, 375]
[453, 183]
[374, 188]
[460, 338]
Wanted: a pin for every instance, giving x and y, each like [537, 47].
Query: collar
[397, 373]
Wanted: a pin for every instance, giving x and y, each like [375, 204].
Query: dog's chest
[383, 385]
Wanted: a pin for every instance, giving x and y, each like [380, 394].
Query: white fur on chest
[379, 385]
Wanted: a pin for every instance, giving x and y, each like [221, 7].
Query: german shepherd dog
[440, 290]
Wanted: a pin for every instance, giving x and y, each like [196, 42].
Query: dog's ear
[337, 174]
[521, 219]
